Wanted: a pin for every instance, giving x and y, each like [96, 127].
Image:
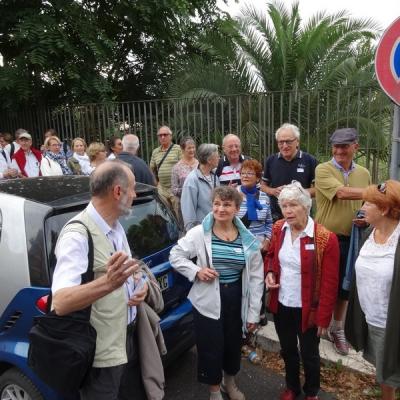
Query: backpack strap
[87, 276]
[12, 149]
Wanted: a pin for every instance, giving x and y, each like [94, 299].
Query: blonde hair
[50, 138]
[78, 139]
[95, 148]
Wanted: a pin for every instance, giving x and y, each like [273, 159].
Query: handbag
[62, 348]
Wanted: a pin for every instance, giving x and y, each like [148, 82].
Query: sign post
[387, 68]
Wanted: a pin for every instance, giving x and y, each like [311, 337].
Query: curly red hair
[252, 165]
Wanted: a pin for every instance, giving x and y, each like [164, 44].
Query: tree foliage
[273, 50]
[70, 51]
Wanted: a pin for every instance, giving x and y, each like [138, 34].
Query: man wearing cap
[27, 159]
[339, 185]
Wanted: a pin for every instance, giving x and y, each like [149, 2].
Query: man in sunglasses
[289, 164]
[339, 185]
[162, 160]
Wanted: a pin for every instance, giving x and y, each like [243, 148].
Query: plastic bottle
[254, 358]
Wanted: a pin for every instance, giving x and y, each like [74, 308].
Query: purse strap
[164, 157]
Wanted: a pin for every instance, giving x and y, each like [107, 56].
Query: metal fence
[254, 117]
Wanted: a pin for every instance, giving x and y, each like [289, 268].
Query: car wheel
[16, 386]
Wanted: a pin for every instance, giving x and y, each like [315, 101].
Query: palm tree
[275, 53]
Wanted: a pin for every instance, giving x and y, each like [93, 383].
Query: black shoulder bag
[162, 160]
[62, 348]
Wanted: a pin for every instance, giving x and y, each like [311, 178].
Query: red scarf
[20, 159]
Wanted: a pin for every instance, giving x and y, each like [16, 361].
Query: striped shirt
[227, 258]
[262, 228]
[164, 173]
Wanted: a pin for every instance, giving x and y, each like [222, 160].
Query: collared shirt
[32, 166]
[290, 262]
[71, 264]
[279, 172]
[343, 171]
[228, 173]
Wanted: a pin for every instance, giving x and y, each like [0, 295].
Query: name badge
[310, 246]
[300, 169]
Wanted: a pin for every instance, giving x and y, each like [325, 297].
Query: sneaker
[339, 341]
[232, 391]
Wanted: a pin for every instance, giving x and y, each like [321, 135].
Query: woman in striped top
[255, 211]
[226, 292]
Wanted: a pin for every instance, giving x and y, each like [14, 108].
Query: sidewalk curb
[267, 339]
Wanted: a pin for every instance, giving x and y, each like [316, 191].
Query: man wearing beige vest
[110, 294]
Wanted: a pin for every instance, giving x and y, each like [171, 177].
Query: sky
[384, 12]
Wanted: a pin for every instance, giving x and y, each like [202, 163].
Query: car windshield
[149, 229]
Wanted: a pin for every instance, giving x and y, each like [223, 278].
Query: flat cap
[344, 136]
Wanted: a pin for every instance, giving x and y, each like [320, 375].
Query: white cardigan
[205, 296]
[49, 167]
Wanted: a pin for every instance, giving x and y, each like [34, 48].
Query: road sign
[387, 61]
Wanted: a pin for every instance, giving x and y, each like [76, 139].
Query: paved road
[256, 382]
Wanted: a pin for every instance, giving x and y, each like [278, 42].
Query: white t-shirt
[374, 273]
[290, 262]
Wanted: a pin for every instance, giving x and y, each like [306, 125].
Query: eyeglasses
[382, 187]
[247, 173]
[163, 134]
[287, 142]
[56, 145]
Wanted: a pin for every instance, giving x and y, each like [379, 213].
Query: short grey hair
[185, 141]
[106, 176]
[295, 130]
[130, 143]
[296, 192]
[165, 127]
[205, 151]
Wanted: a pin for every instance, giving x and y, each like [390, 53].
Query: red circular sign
[387, 61]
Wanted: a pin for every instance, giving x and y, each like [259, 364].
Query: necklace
[228, 236]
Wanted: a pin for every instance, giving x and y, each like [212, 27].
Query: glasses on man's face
[247, 173]
[287, 142]
[382, 187]
[163, 134]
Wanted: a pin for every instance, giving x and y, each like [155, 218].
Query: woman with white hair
[301, 268]
[198, 185]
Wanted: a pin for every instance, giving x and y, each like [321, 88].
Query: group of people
[249, 227]
[306, 261]
[20, 159]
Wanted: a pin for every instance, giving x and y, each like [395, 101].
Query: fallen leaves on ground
[343, 383]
